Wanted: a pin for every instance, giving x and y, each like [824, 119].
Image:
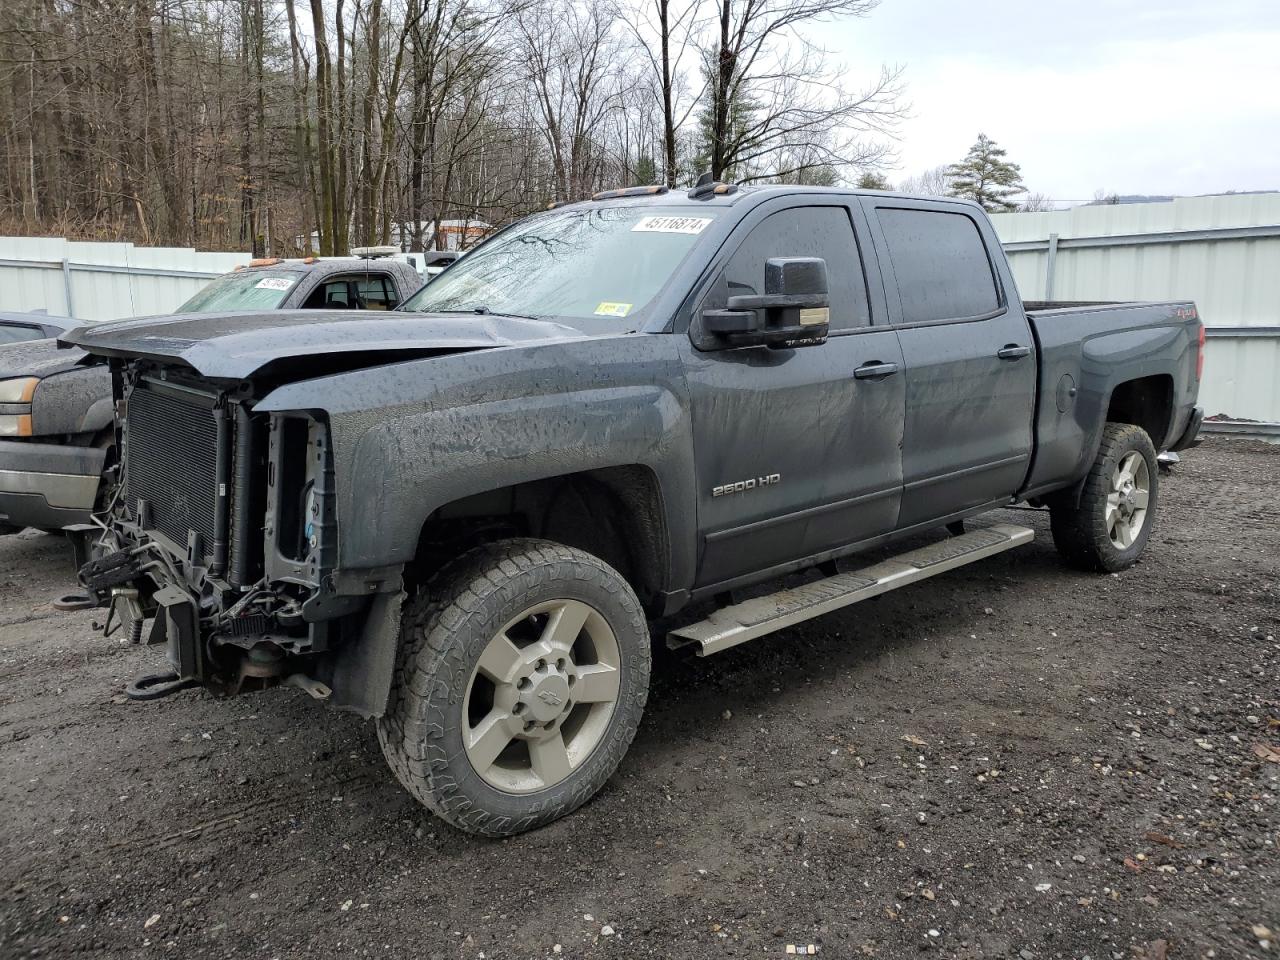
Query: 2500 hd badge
[742, 486]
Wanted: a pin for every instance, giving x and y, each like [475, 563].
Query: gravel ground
[1013, 760]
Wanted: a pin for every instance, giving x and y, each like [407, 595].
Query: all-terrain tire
[444, 631]
[1080, 532]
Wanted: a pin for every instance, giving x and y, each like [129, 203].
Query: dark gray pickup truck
[460, 521]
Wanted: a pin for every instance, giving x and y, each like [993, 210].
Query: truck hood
[36, 358]
[305, 343]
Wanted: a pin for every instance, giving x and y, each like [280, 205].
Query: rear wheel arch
[1145, 402]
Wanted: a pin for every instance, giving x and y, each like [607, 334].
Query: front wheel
[523, 672]
[1109, 527]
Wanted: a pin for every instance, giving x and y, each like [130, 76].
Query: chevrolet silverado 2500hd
[459, 521]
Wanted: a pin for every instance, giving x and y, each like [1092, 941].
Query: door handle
[875, 370]
[1013, 351]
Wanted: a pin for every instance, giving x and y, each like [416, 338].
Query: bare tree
[298, 125]
[1037, 203]
[666, 32]
[567, 53]
[934, 182]
[772, 93]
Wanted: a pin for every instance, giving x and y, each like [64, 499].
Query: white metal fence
[1222, 252]
[102, 281]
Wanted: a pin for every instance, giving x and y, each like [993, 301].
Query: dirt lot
[1015, 760]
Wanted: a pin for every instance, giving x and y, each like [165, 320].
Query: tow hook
[312, 688]
[154, 686]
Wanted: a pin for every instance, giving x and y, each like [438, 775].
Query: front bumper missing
[176, 617]
[177, 624]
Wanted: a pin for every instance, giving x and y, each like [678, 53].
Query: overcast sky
[1130, 96]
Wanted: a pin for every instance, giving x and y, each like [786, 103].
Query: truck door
[797, 452]
[970, 358]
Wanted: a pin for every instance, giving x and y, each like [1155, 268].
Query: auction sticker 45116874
[671, 225]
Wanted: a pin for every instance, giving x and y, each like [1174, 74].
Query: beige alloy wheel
[1127, 500]
[1105, 523]
[520, 681]
[541, 696]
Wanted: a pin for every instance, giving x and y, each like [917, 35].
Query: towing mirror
[793, 311]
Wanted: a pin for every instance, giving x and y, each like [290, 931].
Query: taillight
[1200, 353]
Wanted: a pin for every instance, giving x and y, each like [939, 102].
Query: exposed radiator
[171, 449]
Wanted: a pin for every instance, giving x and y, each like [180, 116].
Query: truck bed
[1085, 351]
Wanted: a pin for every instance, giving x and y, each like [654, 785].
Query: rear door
[970, 359]
[795, 453]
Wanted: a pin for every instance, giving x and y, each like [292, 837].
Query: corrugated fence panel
[1240, 375]
[35, 287]
[1222, 252]
[103, 281]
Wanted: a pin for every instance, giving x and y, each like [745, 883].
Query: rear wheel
[1109, 528]
[522, 675]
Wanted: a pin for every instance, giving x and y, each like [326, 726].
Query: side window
[941, 264]
[377, 292]
[17, 334]
[360, 291]
[824, 232]
[333, 294]
[353, 292]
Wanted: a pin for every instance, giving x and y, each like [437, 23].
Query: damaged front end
[223, 534]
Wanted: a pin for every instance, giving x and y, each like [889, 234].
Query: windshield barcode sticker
[274, 283]
[671, 225]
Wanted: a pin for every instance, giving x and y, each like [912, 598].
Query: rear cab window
[941, 264]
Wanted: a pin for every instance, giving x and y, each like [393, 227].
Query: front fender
[406, 469]
[412, 437]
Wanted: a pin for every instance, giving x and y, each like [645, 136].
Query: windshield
[598, 262]
[250, 290]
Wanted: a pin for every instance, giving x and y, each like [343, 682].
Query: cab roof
[644, 196]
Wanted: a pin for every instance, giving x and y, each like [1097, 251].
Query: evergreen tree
[646, 172]
[823, 175]
[870, 180]
[739, 113]
[986, 177]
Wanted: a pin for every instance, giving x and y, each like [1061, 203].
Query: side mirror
[793, 311]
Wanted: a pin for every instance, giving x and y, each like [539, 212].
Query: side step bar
[732, 625]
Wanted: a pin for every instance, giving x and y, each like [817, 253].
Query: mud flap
[362, 671]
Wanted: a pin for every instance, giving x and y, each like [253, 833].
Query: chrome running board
[732, 625]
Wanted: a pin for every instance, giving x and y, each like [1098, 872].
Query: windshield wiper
[484, 311]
